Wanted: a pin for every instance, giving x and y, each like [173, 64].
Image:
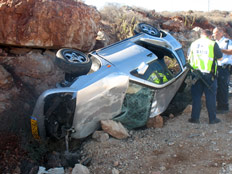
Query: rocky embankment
[29, 40]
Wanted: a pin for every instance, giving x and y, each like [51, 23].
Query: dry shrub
[123, 19]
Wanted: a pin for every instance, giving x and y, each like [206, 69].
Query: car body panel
[104, 101]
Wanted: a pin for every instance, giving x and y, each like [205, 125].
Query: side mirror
[142, 68]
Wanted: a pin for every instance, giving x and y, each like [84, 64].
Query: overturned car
[129, 81]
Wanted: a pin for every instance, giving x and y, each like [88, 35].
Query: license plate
[34, 128]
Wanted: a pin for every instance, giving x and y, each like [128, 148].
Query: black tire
[73, 62]
[148, 29]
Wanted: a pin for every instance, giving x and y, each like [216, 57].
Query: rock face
[34, 68]
[6, 80]
[174, 25]
[50, 24]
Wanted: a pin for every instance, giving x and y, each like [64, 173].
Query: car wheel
[72, 61]
[148, 29]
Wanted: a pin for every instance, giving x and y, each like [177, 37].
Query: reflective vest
[157, 77]
[201, 55]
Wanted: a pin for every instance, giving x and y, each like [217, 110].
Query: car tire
[148, 29]
[73, 62]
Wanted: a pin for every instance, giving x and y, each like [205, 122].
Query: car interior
[166, 63]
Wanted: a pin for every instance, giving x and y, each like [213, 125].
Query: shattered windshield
[136, 106]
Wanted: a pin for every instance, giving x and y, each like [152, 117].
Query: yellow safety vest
[157, 77]
[202, 54]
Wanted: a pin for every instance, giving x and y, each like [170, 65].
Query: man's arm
[217, 52]
[228, 49]
[228, 52]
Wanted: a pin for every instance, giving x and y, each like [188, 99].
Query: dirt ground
[179, 147]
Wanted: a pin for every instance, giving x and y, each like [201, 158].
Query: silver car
[129, 81]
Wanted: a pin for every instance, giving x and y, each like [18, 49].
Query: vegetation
[123, 19]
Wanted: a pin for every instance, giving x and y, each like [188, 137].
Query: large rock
[6, 100]
[7, 89]
[45, 23]
[6, 80]
[115, 129]
[35, 69]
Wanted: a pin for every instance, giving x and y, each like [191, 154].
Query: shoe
[222, 111]
[193, 121]
[215, 121]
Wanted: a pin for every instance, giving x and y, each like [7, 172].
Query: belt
[224, 66]
[204, 73]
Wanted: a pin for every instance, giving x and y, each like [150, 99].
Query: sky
[169, 5]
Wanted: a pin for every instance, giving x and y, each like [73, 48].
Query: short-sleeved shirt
[225, 43]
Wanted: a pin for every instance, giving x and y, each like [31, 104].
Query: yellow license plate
[34, 128]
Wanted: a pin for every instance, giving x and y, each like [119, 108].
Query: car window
[161, 70]
[173, 66]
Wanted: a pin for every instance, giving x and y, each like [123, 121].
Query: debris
[57, 170]
[100, 136]
[115, 171]
[155, 122]
[80, 169]
[188, 109]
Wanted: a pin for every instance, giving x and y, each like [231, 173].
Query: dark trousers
[223, 88]
[197, 90]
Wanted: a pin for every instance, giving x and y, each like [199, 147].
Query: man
[157, 77]
[223, 70]
[203, 55]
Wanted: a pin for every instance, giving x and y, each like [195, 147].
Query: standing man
[223, 70]
[203, 55]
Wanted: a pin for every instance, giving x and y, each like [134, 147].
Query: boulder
[48, 24]
[6, 100]
[6, 80]
[35, 69]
